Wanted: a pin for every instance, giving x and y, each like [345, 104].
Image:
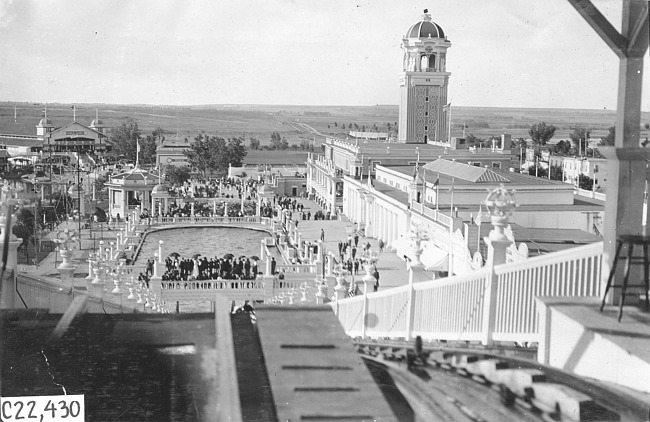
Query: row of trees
[363, 128]
[541, 133]
[215, 154]
[584, 181]
[278, 142]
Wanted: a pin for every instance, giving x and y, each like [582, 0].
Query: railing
[213, 219]
[296, 268]
[211, 284]
[572, 272]
[591, 194]
[489, 304]
[35, 294]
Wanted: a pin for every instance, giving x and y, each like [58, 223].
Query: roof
[545, 240]
[466, 172]
[425, 28]
[135, 175]
[21, 141]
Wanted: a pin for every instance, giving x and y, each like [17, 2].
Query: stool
[630, 240]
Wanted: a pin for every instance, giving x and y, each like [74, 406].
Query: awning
[434, 258]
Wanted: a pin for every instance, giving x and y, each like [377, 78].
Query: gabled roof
[466, 172]
[76, 124]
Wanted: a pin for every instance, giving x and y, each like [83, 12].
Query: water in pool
[207, 241]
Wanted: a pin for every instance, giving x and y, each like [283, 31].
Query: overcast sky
[505, 53]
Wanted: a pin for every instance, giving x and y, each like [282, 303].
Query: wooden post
[626, 174]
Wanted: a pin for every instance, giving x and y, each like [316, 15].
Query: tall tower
[423, 84]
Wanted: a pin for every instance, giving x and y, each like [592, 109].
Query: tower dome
[96, 122]
[425, 28]
[45, 122]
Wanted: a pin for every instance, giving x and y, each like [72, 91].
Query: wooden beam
[638, 34]
[601, 25]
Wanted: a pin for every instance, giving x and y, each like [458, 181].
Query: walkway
[392, 269]
[90, 239]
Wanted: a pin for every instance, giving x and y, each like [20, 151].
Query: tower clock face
[428, 49]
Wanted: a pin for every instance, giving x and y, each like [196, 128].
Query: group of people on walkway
[203, 268]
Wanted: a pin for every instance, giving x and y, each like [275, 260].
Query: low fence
[489, 304]
[212, 219]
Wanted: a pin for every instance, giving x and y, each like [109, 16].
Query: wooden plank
[228, 403]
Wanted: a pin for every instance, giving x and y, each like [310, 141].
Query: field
[298, 123]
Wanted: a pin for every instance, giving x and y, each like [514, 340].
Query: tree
[557, 173]
[335, 125]
[473, 140]
[540, 171]
[610, 138]
[213, 153]
[580, 138]
[562, 148]
[235, 153]
[148, 148]
[200, 153]
[585, 182]
[24, 227]
[254, 143]
[541, 133]
[277, 142]
[177, 175]
[124, 139]
[306, 145]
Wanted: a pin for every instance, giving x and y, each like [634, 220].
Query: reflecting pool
[207, 241]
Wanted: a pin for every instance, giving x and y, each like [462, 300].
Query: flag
[437, 182]
[137, 143]
[446, 107]
[72, 108]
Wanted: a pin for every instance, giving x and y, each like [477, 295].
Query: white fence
[212, 219]
[487, 305]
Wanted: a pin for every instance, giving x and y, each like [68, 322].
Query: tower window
[426, 113]
[426, 128]
[426, 98]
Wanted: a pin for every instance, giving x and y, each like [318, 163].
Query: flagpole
[74, 113]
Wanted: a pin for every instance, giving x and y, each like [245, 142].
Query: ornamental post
[500, 203]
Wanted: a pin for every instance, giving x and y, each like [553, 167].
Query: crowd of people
[204, 268]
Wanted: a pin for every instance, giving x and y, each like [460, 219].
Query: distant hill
[298, 122]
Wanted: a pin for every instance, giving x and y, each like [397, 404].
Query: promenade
[392, 270]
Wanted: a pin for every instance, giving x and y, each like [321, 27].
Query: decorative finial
[426, 10]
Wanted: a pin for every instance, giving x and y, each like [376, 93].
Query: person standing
[381, 245]
[322, 235]
[356, 240]
[376, 275]
[273, 264]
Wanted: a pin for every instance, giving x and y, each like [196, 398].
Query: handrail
[551, 258]
[490, 304]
